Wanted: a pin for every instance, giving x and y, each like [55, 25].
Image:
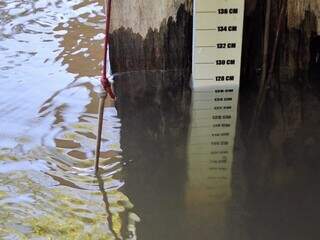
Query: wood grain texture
[281, 160]
[287, 137]
[141, 15]
[297, 10]
[149, 36]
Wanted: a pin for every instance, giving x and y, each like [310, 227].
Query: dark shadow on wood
[167, 48]
[279, 166]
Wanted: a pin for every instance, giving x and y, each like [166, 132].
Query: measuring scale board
[218, 27]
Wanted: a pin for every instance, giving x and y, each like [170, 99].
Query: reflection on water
[178, 154]
[210, 157]
[154, 133]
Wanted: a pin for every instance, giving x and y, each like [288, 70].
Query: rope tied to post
[104, 79]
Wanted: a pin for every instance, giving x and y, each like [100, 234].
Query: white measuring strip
[218, 27]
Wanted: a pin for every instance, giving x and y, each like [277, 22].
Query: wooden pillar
[290, 112]
[292, 67]
[293, 57]
[151, 35]
[281, 158]
[151, 53]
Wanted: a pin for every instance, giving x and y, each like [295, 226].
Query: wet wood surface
[291, 90]
[280, 156]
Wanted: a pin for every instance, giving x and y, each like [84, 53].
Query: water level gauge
[217, 43]
[217, 48]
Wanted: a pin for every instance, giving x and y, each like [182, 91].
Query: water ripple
[50, 58]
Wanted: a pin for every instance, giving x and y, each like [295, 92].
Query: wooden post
[151, 35]
[285, 141]
[289, 106]
[151, 41]
[151, 56]
[292, 52]
[278, 164]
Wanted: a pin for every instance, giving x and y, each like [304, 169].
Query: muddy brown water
[149, 187]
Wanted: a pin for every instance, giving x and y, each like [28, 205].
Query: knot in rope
[107, 86]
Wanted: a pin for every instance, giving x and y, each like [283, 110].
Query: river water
[50, 63]
[160, 177]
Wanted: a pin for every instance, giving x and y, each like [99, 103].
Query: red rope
[104, 79]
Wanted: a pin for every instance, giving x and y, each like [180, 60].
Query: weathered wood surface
[149, 35]
[296, 54]
[142, 15]
[281, 157]
[291, 106]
